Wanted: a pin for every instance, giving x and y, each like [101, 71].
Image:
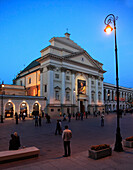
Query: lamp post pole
[2, 104]
[118, 145]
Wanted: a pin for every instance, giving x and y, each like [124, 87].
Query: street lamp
[109, 20]
[2, 86]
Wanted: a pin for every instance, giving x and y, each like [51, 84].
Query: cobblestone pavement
[85, 133]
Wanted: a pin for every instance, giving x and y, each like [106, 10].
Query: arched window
[9, 110]
[23, 109]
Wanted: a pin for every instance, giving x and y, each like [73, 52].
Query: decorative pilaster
[63, 86]
[73, 88]
[85, 105]
[50, 85]
[96, 91]
[102, 95]
[41, 82]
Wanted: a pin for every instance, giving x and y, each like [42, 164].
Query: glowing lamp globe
[108, 29]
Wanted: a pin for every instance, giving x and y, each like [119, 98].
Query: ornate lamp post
[2, 85]
[109, 20]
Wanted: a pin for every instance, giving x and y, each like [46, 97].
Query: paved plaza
[85, 133]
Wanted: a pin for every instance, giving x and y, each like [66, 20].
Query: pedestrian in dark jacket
[36, 120]
[16, 118]
[58, 128]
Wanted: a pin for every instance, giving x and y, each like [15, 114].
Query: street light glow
[108, 29]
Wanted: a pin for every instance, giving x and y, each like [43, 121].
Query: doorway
[82, 107]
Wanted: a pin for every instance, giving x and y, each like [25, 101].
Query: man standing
[66, 136]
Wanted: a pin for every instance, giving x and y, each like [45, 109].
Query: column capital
[50, 67]
[73, 72]
[63, 69]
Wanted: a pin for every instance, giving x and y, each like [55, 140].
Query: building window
[58, 110]
[67, 96]
[92, 82]
[52, 110]
[93, 97]
[82, 59]
[56, 95]
[98, 83]
[45, 88]
[20, 82]
[29, 81]
[57, 76]
[67, 77]
[99, 97]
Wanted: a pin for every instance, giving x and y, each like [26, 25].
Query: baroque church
[67, 76]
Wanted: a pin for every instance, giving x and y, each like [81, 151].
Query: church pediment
[85, 58]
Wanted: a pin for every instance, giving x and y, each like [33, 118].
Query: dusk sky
[26, 26]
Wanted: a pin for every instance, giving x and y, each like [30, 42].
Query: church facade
[67, 76]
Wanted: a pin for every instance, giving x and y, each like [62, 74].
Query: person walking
[69, 117]
[16, 118]
[102, 120]
[58, 128]
[40, 121]
[36, 120]
[66, 136]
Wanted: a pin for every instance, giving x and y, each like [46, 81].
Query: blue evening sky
[26, 26]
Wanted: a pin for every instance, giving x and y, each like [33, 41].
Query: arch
[36, 108]
[9, 109]
[24, 108]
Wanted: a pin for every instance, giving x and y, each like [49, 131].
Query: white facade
[63, 64]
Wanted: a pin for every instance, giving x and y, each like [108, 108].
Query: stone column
[41, 82]
[63, 86]
[102, 95]
[79, 105]
[50, 85]
[85, 105]
[96, 90]
[73, 88]
[110, 95]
